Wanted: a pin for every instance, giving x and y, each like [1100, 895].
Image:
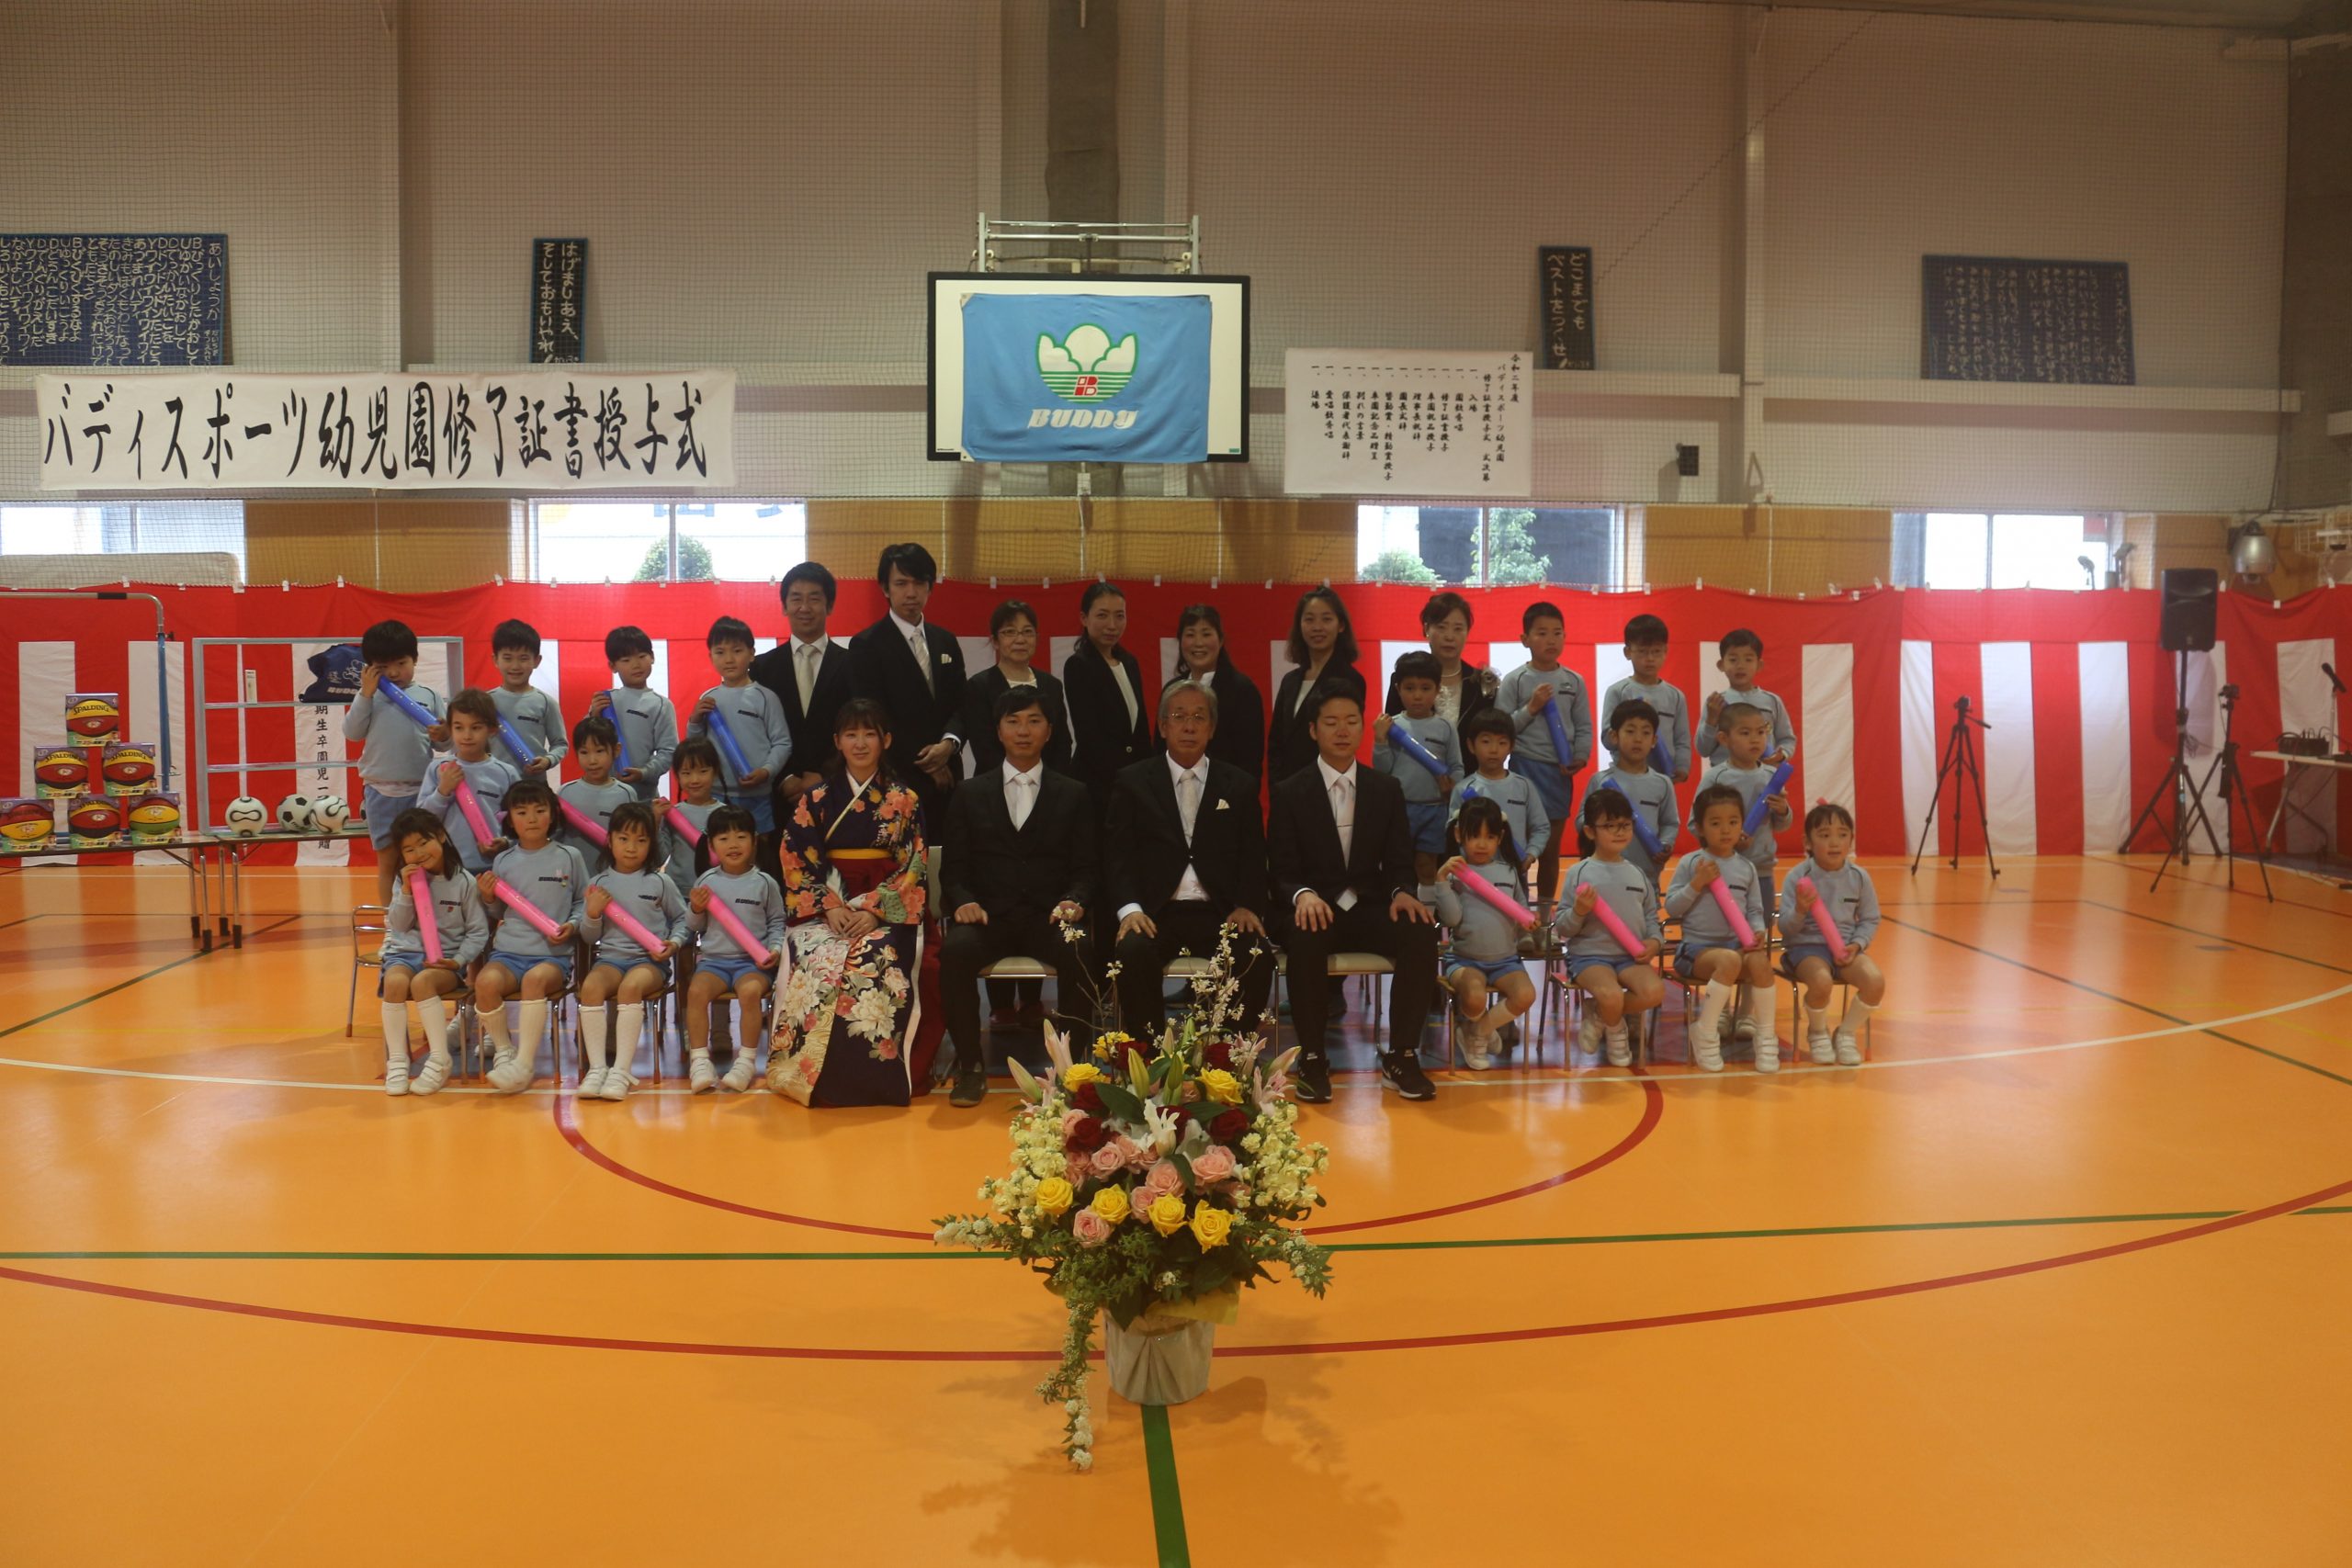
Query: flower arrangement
[1152, 1187]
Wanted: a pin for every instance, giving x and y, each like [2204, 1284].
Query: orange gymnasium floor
[2058, 1278]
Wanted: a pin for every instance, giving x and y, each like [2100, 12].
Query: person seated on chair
[1342, 853]
[1017, 866]
[1186, 857]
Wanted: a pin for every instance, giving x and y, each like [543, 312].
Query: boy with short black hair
[647, 724]
[1487, 737]
[1427, 795]
[1645, 650]
[1545, 682]
[393, 751]
[1740, 657]
[1630, 736]
[534, 714]
[754, 717]
[473, 719]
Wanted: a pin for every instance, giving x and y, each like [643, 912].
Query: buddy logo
[1085, 368]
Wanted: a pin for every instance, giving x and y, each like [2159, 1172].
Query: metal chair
[367, 920]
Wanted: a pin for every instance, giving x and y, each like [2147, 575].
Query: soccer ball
[246, 817]
[294, 813]
[331, 813]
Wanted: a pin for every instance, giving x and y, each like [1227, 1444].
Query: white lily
[1025, 1081]
[1057, 1051]
[1160, 1127]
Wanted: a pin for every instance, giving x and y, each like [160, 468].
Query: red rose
[1088, 1098]
[1090, 1134]
[1184, 1117]
[1220, 1055]
[1230, 1125]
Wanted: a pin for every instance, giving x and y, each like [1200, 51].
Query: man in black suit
[1019, 857]
[916, 672]
[1185, 856]
[1344, 861]
[809, 676]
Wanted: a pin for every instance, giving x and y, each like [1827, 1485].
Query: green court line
[2166, 1217]
[1166, 1498]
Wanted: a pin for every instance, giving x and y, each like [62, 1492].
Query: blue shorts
[1558, 794]
[731, 969]
[1580, 962]
[382, 811]
[662, 966]
[407, 962]
[519, 965]
[1491, 968]
[1798, 953]
[1427, 818]
[1686, 953]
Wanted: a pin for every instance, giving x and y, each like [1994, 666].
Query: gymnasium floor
[2058, 1278]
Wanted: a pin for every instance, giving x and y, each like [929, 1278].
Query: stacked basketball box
[107, 786]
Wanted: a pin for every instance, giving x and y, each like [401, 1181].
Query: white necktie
[809, 654]
[1344, 813]
[1024, 795]
[1188, 801]
[922, 656]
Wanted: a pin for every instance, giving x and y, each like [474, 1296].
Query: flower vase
[1158, 1361]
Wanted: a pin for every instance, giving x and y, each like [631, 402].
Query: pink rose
[1212, 1165]
[1164, 1180]
[1108, 1160]
[1139, 1156]
[1091, 1228]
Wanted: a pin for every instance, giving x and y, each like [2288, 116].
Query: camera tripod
[2187, 793]
[1959, 770]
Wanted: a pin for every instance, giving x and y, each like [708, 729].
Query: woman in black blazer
[1241, 736]
[1112, 720]
[1322, 653]
[1013, 632]
[1465, 688]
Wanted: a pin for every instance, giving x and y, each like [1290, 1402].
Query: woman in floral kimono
[858, 1021]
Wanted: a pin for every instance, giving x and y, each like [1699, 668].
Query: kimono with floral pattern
[850, 1022]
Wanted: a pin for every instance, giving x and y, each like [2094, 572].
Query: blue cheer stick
[1559, 731]
[1756, 813]
[513, 741]
[724, 737]
[1405, 742]
[406, 703]
[1642, 829]
[620, 730]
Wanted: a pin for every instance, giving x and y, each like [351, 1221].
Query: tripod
[2225, 769]
[2177, 783]
[1959, 770]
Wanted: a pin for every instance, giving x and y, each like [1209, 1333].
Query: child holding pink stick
[1827, 885]
[1598, 964]
[1485, 955]
[1712, 953]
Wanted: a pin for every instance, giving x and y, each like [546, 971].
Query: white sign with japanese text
[1369, 421]
[522, 429]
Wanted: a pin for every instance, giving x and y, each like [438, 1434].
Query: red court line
[1425, 1342]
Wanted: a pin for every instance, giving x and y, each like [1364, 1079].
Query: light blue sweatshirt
[456, 917]
[756, 901]
[393, 752]
[649, 896]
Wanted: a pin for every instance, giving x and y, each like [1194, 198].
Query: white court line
[1695, 1076]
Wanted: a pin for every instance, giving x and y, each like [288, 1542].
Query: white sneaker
[1850, 1051]
[738, 1074]
[1744, 1030]
[591, 1084]
[1707, 1047]
[700, 1076]
[616, 1084]
[1824, 1052]
[1621, 1047]
[509, 1076]
[1768, 1056]
[1476, 1050]
[432, 1075]
[1589, 1033]
[395, 1077]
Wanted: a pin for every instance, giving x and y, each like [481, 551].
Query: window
[653, 541]
[125, 527]
[1491, 546]
[1971, 550]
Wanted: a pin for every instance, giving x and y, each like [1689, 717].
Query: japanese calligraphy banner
[519, 430]
[1373, 423]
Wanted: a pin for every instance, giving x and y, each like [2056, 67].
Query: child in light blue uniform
[625, 969]
[1746, 733]
[1526, 692]
[1426, 794]
[473, 719]
[754, 717]
[722, 969]
[1645, 650]
[595, 794]
[648, 724]
[406, 975]
[1710, 951]
[1740, 656]
[394, 751]
[1632, 733]
[1598, 964]
[1844, 889]
[1485, 954]
[1487, 735]
[551, 875]
[697, 774]
[531, 712]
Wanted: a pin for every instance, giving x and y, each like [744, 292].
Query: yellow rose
[1209, 1225]
[1221, 1087]
[1055, 1197]
[1080, 1072]
[1106, 1046]
[1167, 1213]
[1111, 1203]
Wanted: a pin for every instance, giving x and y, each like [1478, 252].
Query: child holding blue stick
[1631, 737]
[530, 724]
[1553, 717]
[1421, 751]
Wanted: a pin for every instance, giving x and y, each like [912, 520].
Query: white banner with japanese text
[1372, 422]
[524, 430]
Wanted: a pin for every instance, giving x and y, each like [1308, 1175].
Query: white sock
[500, 1024]
[1711, 1003]
[1816, 1019]
[591, 1035]
[433, 1014]
[630, 1019]
[533, 1030]
[1616, 1031]
[1857, 1013]
[396, 1034]
[1764, 1008]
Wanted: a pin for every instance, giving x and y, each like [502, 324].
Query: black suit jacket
[1107, 739]
[812, 732]
[1241, 736]
[1289, 744]
[1051, 859]
[1305, 838]
[1474, 694]
[1144, 853]
[979, 719]
[882, 667]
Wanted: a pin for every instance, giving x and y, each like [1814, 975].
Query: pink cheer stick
[428, 925]
[654, 945]
[1831, 937]
[589, 825]
[738, 929]
[1612, 922]
[470, 804]
[686, 830]
[1519, 914]
[1732, 913]
[538, 919]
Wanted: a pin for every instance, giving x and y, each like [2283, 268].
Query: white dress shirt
[1126, 691]
[1191, 788]
[1021, 792]
[1340, 790]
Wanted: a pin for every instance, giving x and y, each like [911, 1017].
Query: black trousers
[965, 951]
[1189, 926]
[1410, 945]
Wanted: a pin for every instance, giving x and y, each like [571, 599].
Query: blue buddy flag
[1086, 377]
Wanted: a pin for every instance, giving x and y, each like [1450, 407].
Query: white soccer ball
[295, 813]
[246, 817]
[332, 813]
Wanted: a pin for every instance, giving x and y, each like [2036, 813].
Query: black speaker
[1685, 461]
[2187, 624]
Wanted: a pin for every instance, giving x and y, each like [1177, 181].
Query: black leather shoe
[971, 1085]
[1401, 1070]
[1314, 1080]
